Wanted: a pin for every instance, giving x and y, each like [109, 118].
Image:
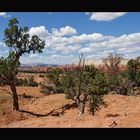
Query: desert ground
[54, 111]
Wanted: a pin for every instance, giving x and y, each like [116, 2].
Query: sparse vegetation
[54, 85]
[41, 75]
[112, 63]
[89, 84]
[24, 95]
[84, 84]
[26, 82]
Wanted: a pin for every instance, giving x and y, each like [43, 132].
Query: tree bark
[15, 97]
[81, 103]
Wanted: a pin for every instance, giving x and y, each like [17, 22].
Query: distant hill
[38, 65]
[88, 62]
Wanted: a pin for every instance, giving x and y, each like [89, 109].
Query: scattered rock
[112, 115]
[113, 124]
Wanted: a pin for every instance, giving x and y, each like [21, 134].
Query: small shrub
[26, 82]
[55, 85]
[25, 96]
[41, 76]
[47, 90]
[32, 82]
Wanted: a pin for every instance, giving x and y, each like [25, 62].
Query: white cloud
[105, 16]
[50, 59]
[2, 44]
[67, 30]
[33, 55]
[85, 50]
[41, 31]
[63, 31]
[62, 59]
[63, 45]
[3, 49]
[4, 14]
[85, 37]
[50, 13]
[87, 13]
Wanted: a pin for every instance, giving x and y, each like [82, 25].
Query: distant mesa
[38, 65]
[87, 62]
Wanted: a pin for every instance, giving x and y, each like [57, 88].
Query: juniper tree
[133, 74]
[133, 69]
[19, 42]
[112, 63]
[85, 84]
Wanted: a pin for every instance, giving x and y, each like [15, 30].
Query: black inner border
[69, 5]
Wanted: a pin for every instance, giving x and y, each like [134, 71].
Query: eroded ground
[56, 111]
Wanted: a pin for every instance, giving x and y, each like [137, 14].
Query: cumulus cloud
[85, 50]
[3, 49]
[64, 31]
[63, 45]
[33, 55]
[105, 16]
[50, 59]
[2, 44]
[55, 33]
[41, 31]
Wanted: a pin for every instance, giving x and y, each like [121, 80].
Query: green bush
[89, 84]
[41, 76]
[26, 82]
[47, 90]
[25, 96]
[54, 80]
[31, 82]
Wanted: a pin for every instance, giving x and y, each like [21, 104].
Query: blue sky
[68, 33]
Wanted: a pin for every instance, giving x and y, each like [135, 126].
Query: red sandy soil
[124, 111]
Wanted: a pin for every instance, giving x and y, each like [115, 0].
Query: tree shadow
[53, 112]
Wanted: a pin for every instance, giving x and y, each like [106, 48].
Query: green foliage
[19, 42]
[93, 85]
[26, 82]
[94, 81]
[68, 84]
[24, 95]
[138, 78]
[46, 89]
[2, 83]
[132, 69]
[19, 82]
[54, 79]
[112, 63]
[95, 102]
[32, 82]
[18, 39]
[8, 68]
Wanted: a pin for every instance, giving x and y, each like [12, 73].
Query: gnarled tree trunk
[15, 97]
[81, 100]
